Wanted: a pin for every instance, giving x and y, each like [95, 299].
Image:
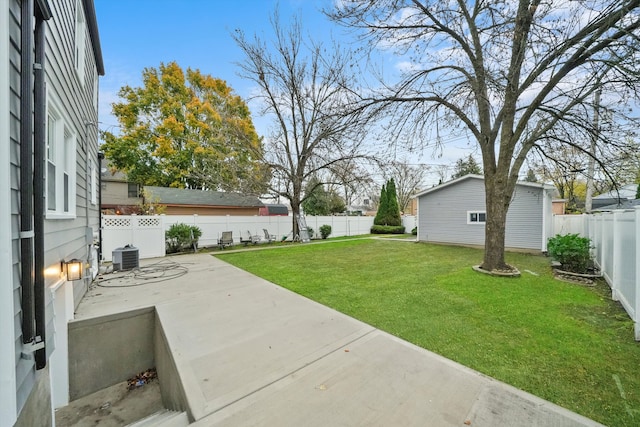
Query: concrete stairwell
[163, 418]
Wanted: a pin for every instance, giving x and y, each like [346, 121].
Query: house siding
[443, 215]
[524, 228]
[25, 374]
[26, 394]
[71, 238]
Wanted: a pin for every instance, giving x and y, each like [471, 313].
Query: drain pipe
[26, 174]
[100, 158]
[39, 158]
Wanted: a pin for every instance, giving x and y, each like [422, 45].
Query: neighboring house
[613, 197]
[274, 210]
[180, 201]
[455, 212]
[624, 204]
[559, 206]
[118, 195]
[50, 60]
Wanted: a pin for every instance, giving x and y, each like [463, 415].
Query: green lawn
[565, 343]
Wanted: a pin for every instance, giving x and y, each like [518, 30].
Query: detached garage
[455, 212]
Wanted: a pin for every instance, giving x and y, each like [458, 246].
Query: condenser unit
[126, 258]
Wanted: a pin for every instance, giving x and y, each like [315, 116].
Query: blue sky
[194, 33]
[135, 34]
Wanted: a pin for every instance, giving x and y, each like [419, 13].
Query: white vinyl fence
[143, 232]
[147, 232]
[615, 237]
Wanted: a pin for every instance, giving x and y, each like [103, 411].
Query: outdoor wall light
[73, 269]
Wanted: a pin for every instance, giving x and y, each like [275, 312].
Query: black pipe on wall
[39, 158]
[26, 172]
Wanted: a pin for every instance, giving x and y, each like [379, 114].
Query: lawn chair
[226, 239]
[253, 239]
[269, 237]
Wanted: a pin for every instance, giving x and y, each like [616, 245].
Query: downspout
[26, 174]
[39, 154]
[100, 157]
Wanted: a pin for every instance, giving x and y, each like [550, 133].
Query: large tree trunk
[497, 196]
[295, 211]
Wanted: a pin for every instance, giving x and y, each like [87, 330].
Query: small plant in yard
[414, 231]
[325, 230]
[310, 231]
[572, 251]
[181, 236]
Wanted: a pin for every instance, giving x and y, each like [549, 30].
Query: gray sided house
[50, 60]
[455, 212]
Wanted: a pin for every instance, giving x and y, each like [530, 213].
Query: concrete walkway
[250, 353]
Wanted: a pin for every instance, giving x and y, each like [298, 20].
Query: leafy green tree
[319, 201]
[336, 203]
[393, 210]
[381, 214]
[185, 130]
[316, 198]
[388, 210]
[466, 166]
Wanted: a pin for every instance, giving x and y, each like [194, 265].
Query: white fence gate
[143, 232]
[616, 240]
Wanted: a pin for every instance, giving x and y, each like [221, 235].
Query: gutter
[32, 204]
[100, 158]
[26, 174]
[39, 156]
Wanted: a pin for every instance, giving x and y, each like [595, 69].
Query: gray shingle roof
[624, 204]
[183, 196]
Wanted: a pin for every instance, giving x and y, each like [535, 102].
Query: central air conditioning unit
[126, 258]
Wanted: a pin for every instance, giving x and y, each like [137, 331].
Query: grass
[566, 343]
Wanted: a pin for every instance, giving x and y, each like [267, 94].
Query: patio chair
[226, 239]
[269, 237]
[253, 239]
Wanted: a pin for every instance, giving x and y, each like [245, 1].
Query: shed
[182, 201]
[455, 212]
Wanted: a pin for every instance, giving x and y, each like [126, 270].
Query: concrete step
[163, 418]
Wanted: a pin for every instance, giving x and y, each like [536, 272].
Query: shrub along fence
[615, 237]
[147, 233]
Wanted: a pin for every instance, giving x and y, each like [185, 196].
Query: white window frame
[477, 220]
[80, 42]
[61, 153]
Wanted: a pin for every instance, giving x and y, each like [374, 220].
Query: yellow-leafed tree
[185, 130]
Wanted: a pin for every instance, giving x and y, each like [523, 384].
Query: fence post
[617, 242]
[636, 308]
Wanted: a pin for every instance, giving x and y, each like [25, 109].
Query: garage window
[476, 217]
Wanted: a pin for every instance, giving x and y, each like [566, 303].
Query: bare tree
[303, 86]
[511, 73]
[351, 177]
[409, 179]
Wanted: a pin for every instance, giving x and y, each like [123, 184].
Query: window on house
[134, 190]
[476, 217]
[61, 166]
[79, 56]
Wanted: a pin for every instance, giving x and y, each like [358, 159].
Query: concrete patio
[235, 350]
